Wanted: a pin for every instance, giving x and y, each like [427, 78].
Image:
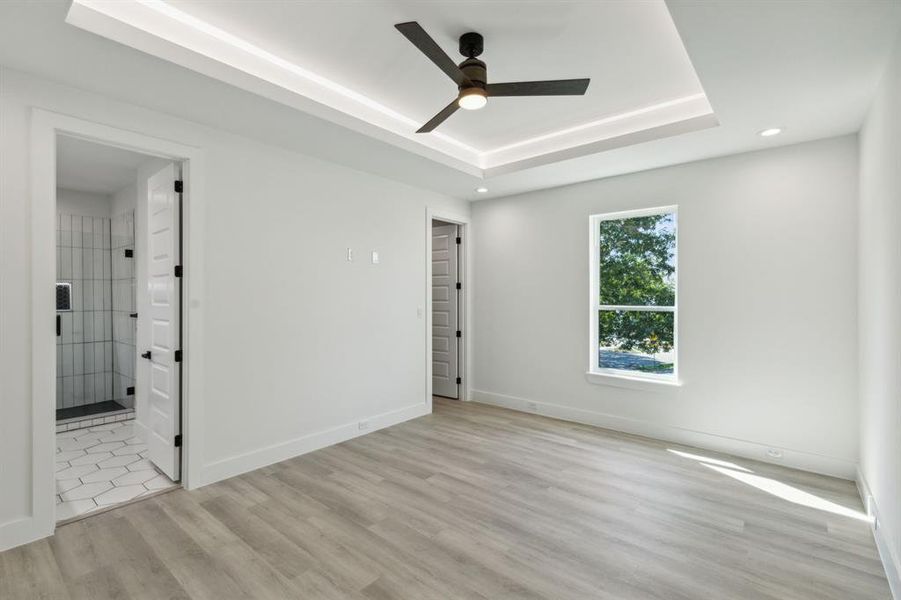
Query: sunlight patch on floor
[707, 460]
[773, 487]
[790, 494]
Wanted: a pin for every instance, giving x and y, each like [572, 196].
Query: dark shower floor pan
[87, 410]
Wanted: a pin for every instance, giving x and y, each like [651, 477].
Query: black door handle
[59, 325]
[146, 355]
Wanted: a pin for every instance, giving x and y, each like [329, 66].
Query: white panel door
[445, 317]
[163, 410]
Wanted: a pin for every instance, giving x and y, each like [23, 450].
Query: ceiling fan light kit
[471, 75]
[472, 98]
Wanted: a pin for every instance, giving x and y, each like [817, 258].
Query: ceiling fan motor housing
[476, 71]
[471, 45]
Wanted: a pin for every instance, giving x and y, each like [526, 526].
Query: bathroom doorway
[106, 452]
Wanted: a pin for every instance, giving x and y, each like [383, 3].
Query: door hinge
[178, 270]
[179, 186]
[178, 441]
[178, 356]
[459, 380]
[459, 240]
[459, 333]
[129, 253]
[459, 286]
[130, 391]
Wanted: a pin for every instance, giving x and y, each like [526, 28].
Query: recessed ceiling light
[481, 190]
[770, 132]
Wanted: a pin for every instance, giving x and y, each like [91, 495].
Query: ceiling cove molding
[155, 27]
[678, 116]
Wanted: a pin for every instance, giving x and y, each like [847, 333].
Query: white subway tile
[87, 299]
[77, 264]
[98, 357]
[88, 331]
[89, 386]
[66, 325]
[67, 391]
[67, 360]
[98, 261]
[65, 271]
[98, 326]
[98, 233]
[77, 359]
[78, 398]
[87, 261]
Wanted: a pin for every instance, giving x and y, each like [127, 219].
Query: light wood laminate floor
[474, 502]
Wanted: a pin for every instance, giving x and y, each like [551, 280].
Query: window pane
[636, 341]
[638, 261]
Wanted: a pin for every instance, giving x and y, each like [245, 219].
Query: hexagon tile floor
[101, 466]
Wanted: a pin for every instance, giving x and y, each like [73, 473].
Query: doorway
[447, 306]
[118, 246]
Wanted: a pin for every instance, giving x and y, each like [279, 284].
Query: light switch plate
[350, 255]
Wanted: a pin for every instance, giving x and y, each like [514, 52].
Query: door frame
[464, 264]
[45, 127]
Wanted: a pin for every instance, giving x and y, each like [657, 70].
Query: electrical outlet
[774, 453]
[375, 257]
[363, 425]
[532, 406]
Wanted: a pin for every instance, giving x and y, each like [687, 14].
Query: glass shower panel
[123, 308]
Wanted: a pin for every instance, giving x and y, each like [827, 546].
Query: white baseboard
[27, 529]
[243, 463]
[806, 461]
[890, 560]
[21, 531]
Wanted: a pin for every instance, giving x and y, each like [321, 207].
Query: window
[633, 294]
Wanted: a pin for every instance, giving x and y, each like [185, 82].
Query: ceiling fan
[471, 75]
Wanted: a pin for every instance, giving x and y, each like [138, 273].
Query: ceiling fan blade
[422, 40]
[440, 117]
[559, 87]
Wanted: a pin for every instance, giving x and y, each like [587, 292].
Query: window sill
[635, 383]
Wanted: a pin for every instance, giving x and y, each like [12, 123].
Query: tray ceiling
[344, 61]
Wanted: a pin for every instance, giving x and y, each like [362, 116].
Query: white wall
[124, 200]
[767, 301]
[880, 314]
[300, 343]
[86, 204]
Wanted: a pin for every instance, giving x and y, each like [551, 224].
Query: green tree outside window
[637, 269]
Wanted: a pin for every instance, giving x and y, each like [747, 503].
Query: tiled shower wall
[84, 350]
[124, 356]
